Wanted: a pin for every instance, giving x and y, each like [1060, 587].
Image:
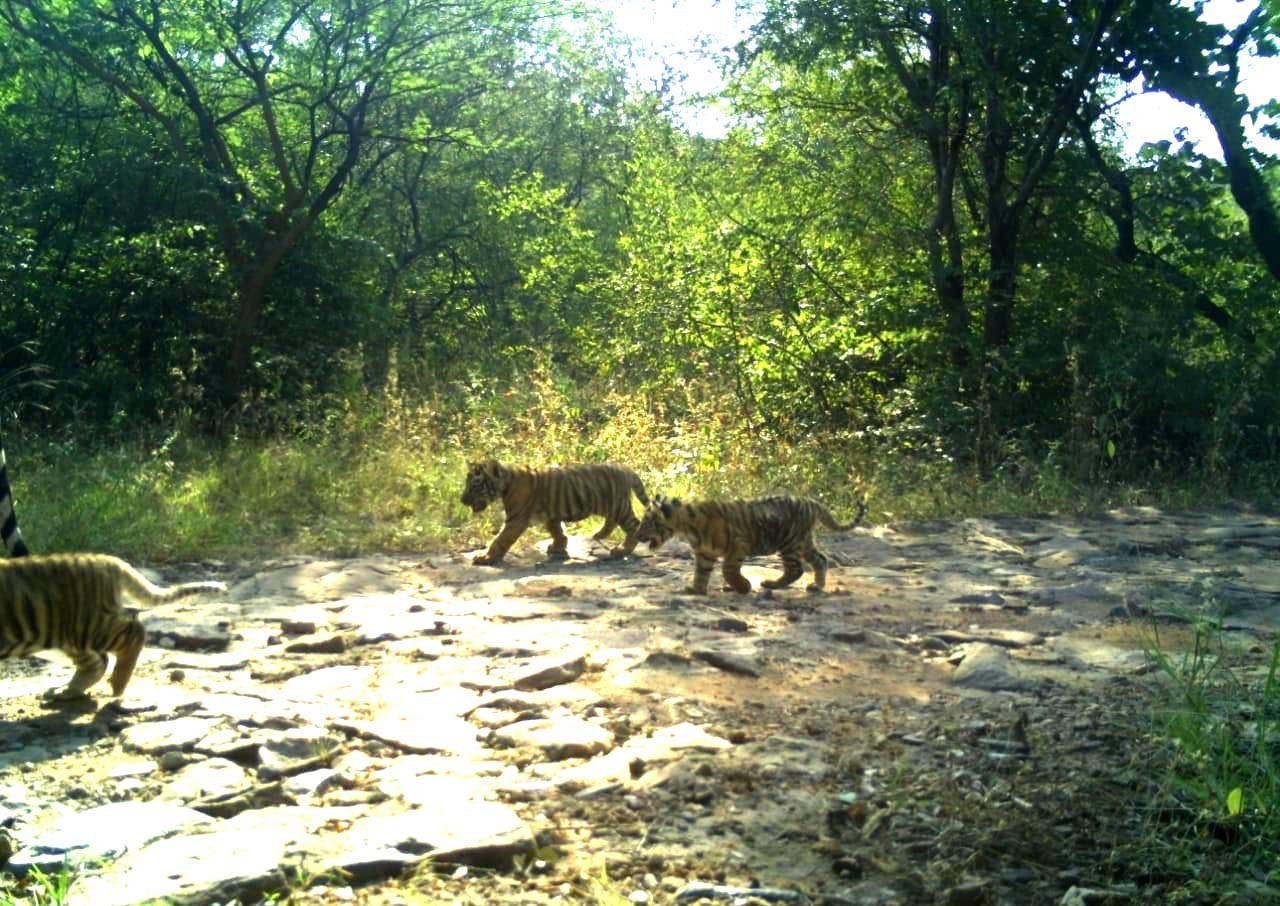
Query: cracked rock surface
[952, 721]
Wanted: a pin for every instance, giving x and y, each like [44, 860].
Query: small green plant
[1221, 728]
[37, 888]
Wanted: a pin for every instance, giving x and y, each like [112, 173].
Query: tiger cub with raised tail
[738, 529]
[553, 496]
[75, 603]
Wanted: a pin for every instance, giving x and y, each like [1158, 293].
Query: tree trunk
[946, 262]
[1248, 187]
[250, 296]
[1002, 278]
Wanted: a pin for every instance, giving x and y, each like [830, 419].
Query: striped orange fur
[554, 496]
[737, 529]
[75, 603]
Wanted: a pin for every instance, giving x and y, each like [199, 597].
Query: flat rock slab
[557, 737]
[990, 669]
[434, 733]
[323, 580]
[241, 857]
[1007, 638]
[154, 737]
[296, 750]
[544, 673]
[209, 778]
[474, 832]
[580, 694]
[103, 833]
[1100, 655]
[341, 683]
[187, 635]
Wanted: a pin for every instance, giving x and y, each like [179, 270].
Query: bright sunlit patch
[682, 44]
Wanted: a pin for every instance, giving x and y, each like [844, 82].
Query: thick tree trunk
[1248, 187]
[250, 297]
[1002, 279]
[1217, 97]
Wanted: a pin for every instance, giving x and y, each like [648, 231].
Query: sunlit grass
[386, 476]
[1217, 828]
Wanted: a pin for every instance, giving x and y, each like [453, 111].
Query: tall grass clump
[1217, 831]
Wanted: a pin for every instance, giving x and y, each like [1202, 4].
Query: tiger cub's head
[486, 482]
[657, 526]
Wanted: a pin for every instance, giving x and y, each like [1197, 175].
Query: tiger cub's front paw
[485, 560]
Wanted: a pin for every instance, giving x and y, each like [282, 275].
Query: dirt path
[952, 722]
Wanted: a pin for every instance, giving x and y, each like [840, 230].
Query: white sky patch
[1154, 116]
[683, 37]
[683, 40]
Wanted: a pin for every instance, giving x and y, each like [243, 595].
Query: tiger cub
[552, 496]
[739, 529]
[74, 603]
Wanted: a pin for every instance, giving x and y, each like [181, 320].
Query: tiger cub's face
[486, 482]
[656, 528]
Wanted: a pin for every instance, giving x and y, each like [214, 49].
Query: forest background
[274, 270]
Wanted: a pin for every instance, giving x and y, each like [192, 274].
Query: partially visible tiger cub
[74, 603]
[9, 531]
[552, 496]
[738, 529]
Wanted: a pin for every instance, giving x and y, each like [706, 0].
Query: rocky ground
[952, 722]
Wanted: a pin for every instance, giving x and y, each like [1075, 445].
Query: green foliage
[384, 474]
[1221, 724]
[38, 889]
[481, 206]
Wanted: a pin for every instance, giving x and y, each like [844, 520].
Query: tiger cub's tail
[637, 485]
[9, 531]
[143, 590]
[825, 517]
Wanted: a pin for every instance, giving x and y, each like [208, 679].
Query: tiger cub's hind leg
[90, 667]
[130, 646]
[559, 549]
[632, 528]
[792, 569]
[605, 530]
[734, 580]
[819, 561]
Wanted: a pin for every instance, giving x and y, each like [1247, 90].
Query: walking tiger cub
[74, 603]
[736, 530]
[552, 496]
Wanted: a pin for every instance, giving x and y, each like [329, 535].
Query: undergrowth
[1215, 831]
[38, 889]
[385, 474]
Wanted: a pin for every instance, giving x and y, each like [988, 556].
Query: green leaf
[1235, 802]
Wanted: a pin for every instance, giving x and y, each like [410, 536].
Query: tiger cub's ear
[667, 505]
